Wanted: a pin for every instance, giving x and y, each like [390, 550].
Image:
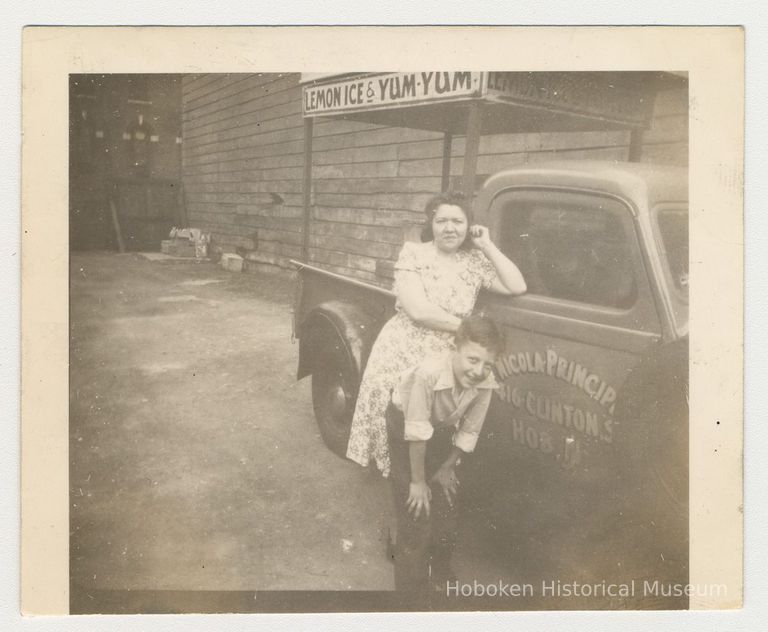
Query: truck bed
[318, 286]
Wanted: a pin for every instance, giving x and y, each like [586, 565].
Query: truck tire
[334, 392]
[653, 418]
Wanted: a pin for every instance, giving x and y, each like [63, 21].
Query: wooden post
[307, 188]
[181, 204]
[474, 125]
[445, 183]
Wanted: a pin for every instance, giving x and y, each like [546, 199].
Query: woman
[436, 285]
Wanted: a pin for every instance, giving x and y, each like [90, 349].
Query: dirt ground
[196, 463]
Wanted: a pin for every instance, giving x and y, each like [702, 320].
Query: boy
[435, 416]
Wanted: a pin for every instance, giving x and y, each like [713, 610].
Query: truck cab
[590, 426]
[584, 453]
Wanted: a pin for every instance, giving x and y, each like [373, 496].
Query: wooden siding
[243, 157]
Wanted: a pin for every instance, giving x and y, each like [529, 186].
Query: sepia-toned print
[392, 340]
[195, 462]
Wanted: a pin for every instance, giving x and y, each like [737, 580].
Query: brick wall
[242, 168]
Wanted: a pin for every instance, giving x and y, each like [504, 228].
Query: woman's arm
[509, 279]
[410, 293]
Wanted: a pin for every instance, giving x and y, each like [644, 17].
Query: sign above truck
[601, 95]
[514, 101]
[390, 90]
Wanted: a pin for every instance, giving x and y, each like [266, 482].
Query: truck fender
[348, 323]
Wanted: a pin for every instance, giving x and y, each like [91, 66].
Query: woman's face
[449, 227]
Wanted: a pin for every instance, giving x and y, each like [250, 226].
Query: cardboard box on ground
[186, 242]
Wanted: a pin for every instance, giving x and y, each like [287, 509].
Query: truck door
[588, 317]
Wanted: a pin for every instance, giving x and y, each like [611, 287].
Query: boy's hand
[419, 496]
[446, 477]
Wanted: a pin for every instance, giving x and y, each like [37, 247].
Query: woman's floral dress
[402, 343]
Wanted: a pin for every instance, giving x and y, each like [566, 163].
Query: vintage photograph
[379, 341]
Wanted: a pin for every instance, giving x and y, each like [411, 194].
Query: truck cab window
[570, 246]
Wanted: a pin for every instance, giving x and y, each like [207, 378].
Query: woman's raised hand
[509, 280]
[480, 236]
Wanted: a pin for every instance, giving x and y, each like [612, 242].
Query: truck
[581, 472]
[584, 453]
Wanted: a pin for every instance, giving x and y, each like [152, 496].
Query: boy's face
[472, 363]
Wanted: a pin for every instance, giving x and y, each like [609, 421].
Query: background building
[225, 153]
[125, 147]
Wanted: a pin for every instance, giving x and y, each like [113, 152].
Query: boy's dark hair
[481, 330]
[452, 198]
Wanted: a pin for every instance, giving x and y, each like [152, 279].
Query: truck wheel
[670, 469]
[654, 430]
[660, 454]
[334, 392]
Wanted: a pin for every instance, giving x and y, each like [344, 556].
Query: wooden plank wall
[242, 168]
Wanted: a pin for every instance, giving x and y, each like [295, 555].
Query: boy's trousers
[424, 546]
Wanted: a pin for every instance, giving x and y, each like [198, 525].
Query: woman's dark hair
[481, 330]
[451, 198]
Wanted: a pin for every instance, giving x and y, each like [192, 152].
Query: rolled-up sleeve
[418, 431]
[418, 409]
[465, 437]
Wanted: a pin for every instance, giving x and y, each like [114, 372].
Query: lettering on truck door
[572, 339]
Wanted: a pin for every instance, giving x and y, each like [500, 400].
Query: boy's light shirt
[430, 397]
